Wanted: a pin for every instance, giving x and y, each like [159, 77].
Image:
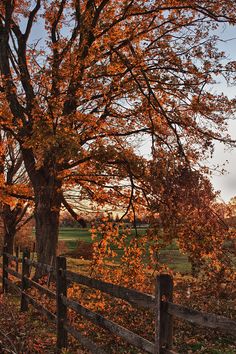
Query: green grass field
[72, 235]
[170, 256]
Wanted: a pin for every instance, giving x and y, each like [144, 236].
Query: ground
[26, 333]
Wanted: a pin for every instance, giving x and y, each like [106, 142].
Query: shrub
[82, 250]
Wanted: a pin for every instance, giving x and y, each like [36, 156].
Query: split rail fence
[161, 304]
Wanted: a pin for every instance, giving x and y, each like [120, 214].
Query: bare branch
[80, 220]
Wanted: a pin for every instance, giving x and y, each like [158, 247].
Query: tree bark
[9, 223]
[47, 197]
[9, 236]
[47, 211]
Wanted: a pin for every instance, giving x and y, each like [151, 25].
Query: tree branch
[72, 212]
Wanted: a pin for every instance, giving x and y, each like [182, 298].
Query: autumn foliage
[103, 75]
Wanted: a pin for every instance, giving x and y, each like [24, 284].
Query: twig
[14, 351]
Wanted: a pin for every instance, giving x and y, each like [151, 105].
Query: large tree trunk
[47, 211]
[9, 236]
[47, 196]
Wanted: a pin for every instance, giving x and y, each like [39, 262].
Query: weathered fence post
[17, 260]
[25, 272]
[61, 289]
[50, 273]
[32, 257]
[4, 272]
[164, 325]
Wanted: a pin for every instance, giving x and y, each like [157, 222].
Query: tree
[188, 213]
[104, 74]
[232, 206]
[16, 195]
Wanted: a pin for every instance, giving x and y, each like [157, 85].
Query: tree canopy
[102, 75]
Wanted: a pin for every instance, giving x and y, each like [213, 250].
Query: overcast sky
[227, 183]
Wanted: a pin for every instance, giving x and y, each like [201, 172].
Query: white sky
[226, 183]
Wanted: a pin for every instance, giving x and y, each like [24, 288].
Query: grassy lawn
[72, 235]
[170, 256]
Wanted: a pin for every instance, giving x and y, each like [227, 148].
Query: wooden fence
[161, 304]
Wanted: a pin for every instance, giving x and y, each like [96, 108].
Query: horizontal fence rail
[85, 341]
[209, 320]
[12, 285]
[132, 296]
[12, 272]
[164, 311]
[45, 267]
[51, 316]
[111, 326]
[46, 291]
